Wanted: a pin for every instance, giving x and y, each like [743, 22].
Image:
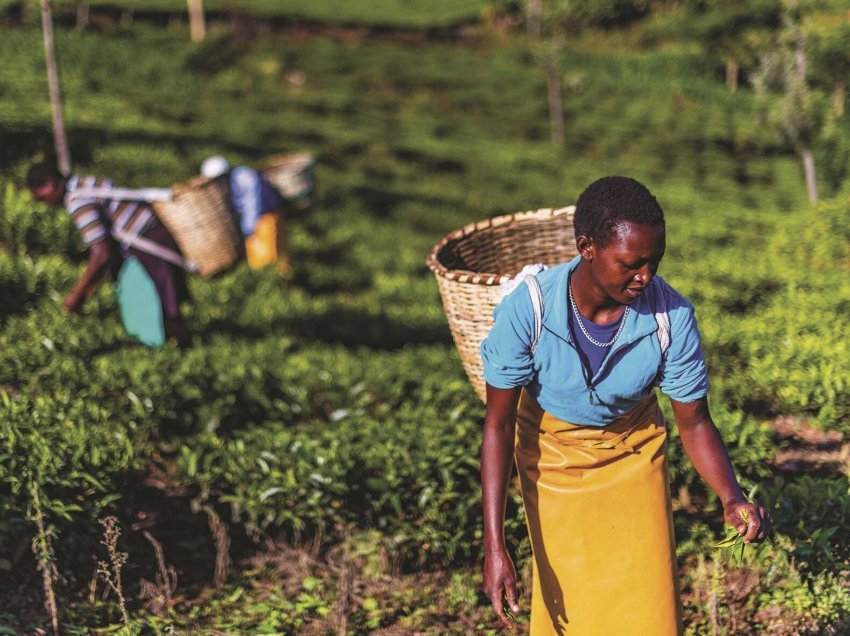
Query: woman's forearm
[704, 446]
[98, 261]
[496, 457]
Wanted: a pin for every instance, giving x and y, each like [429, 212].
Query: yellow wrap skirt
[597, 504]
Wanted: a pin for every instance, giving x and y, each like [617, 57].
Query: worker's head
[214, 166]
[46, 182]
[620, 234]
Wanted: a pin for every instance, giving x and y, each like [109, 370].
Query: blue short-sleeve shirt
[554, 376]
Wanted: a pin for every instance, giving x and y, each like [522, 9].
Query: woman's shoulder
[554, 278]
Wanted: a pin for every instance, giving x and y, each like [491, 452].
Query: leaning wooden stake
[60, 141]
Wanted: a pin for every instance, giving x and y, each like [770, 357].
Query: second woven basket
[473, 261]
[291, 175]
[201, 220]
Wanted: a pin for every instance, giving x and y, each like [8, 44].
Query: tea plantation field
[320, 430]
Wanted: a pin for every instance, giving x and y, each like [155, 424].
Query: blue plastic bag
[141, 308]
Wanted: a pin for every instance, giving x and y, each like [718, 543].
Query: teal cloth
[141, 309]
[554, 374]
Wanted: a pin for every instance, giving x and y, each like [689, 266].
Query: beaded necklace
[587, 335]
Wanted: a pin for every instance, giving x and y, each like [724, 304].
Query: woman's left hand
[749, 519]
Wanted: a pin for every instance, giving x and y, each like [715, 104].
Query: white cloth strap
[527, 276]
[663, 319]
[537, 305]
[149, 195]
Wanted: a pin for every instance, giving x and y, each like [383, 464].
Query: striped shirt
[97, 216]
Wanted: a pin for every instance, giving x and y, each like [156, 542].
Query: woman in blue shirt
[571, 395]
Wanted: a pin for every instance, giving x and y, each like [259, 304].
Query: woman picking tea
[571, 366]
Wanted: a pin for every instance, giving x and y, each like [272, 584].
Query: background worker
[260, 210]
[108, 225]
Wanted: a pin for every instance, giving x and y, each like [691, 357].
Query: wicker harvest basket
[201, 220]
[291, 175]
[472, 262]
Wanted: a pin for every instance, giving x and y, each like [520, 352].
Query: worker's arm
[703, 444]
[100, 254]
[496, 458]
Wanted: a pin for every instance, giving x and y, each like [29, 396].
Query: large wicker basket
[472, 262]
[291, 175]
[201, 220]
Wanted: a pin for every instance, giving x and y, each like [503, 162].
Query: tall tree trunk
[82, 15]
[809, 167]
[60, 141]
[731, 74]
[197, 25]
[534, 17]
[556, 107]
[839, 91]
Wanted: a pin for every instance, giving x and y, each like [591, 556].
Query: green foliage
[399, 13]
[831, 52]
[333, 400]
[725, 29]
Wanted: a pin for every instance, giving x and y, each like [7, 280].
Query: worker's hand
[73, 302]
[749, 519]
[500, 583]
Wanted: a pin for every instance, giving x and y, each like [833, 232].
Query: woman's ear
[586, 247]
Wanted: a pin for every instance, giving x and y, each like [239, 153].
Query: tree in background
[831, 59]
[731, 29]
[788, 103]
[550, 23]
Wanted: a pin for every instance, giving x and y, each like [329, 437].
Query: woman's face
[623, 268]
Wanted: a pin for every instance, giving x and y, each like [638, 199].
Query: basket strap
[537, 306]
[149, 195]
[154, 249]
[659, 308]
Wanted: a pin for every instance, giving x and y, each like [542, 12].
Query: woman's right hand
[500, 583]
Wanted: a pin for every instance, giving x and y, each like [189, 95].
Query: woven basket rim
[485, 278]
[194, 183]
[298, 159]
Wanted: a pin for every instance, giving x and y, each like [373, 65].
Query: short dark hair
[41, 173]
[610, 201]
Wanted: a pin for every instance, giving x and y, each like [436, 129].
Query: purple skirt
[169, 279]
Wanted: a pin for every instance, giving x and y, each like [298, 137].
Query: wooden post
[556, 108]
[82, 15]
[60, 141]
[838, 98]
[534, 17]
[731, 74]
[809, 168]
[197, 24]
